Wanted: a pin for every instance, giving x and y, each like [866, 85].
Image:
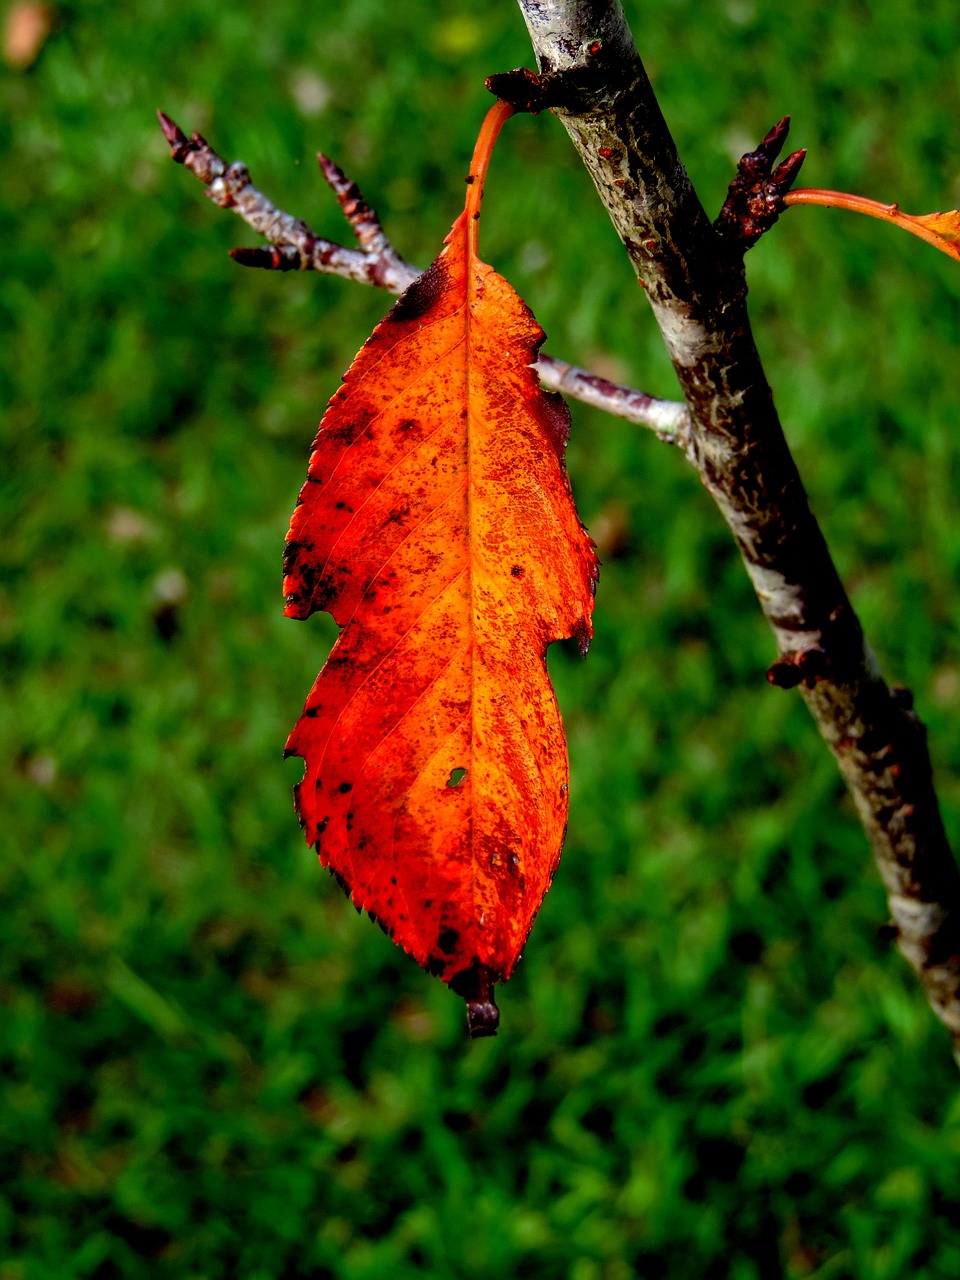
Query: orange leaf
[942, 230]
[437, 526]
[945, 227]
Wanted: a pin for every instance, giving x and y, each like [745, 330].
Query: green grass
[711, 1063]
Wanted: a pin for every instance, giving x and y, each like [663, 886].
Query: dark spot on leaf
[421, 295]
[447, 942]
[345, 787]
[517, 571]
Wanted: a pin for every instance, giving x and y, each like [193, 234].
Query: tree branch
[693, 277]
[294, 247]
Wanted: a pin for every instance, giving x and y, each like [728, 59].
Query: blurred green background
[712, 1063]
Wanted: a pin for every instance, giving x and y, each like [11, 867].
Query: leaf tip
[483, 1018]
[475, 985]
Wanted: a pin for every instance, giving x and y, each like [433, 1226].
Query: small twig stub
[755, 197]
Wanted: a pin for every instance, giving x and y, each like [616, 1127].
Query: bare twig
[694, 280]
[292, 244]
[294, 247]
[669, 419]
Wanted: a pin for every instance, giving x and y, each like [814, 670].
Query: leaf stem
[917, 225]
[843, 200]
[493, 122]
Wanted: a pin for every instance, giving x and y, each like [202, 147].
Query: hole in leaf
[456, 777]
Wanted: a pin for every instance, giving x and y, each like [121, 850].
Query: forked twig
[292, 246]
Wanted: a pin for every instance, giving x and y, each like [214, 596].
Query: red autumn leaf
[437, 526]
[942, 230]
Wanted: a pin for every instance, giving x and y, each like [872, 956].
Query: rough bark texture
[693, 276]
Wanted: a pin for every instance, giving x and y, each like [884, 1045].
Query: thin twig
[292, 246]
[670, 419]
[693, 277]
